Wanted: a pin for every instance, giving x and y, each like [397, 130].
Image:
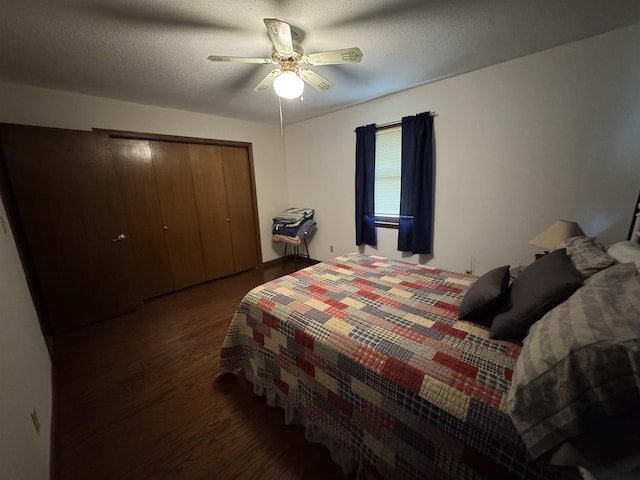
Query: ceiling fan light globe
[288, 85]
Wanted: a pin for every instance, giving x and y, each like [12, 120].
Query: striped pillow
[585, 256]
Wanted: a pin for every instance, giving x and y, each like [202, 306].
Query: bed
[369, 355]
[343, 346]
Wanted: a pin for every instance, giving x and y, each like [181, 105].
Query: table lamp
[551, 237]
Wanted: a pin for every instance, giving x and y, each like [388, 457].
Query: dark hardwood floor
[137, 397]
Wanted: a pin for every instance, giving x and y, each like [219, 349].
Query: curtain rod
[398, 123]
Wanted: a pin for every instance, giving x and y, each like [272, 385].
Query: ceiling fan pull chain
[280, 105]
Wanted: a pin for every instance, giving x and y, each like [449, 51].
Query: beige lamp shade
[556, 233]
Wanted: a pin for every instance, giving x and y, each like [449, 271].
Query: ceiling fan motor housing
[297, 55]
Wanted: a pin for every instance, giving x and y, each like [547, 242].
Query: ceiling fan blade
[267, 82]
[221, 58]
[345, 55]
[280, 34]
[316, 81]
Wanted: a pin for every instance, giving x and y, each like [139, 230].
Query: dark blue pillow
[544, 284]
[485, 295]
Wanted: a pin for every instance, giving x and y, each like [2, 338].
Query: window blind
[387, 178]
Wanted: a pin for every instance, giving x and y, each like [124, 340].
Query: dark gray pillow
[542, 285]
[484, 296]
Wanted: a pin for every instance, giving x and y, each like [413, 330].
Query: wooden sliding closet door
[211, 198]
[69, 206]
[225, 197]
[179, 212]
[240, 204]
[134, 168]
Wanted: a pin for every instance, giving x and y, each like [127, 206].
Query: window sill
[387, 222]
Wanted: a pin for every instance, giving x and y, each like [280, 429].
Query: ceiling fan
[288, 80]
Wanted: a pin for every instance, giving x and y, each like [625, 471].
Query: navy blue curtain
[415, 225]
[365, 180]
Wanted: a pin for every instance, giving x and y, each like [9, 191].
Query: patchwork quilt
[370, 352]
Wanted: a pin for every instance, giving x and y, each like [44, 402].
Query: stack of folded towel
[293, 224]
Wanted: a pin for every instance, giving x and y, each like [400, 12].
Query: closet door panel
[240, 202]
[70, 207]
[134, 168]
[211, 199]
[179, 212]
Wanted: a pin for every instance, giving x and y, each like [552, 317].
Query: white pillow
[626, 252]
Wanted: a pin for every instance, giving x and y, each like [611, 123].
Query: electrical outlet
[331, 248]
[35, 420]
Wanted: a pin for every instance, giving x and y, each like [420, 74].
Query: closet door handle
[119, 238]
[228, 219]
[164, 227]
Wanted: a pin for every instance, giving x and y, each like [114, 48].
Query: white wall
[51, 108]
[25, 373]
[553, 135]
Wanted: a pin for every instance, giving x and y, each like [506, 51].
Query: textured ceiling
[154, 51]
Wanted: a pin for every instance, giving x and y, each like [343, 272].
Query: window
[400, 197]
[387, 178]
